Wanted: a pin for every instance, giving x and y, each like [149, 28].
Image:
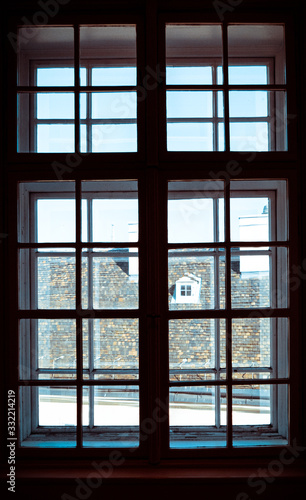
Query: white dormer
[187, 290]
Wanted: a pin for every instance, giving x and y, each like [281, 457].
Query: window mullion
[215, 110]
[78, 296]
[90, 307]
[77, 88]
[225, 87]
[228, 319]
[217, 306]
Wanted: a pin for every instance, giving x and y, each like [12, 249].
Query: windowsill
[180, 471]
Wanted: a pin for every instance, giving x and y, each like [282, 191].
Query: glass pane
[55, 220]
[55, 139]
[111, 416]
[182, 104]
[110, 348]
[112, 210]
[248, 74]
[55, 106]
[253, 407]
[46, 212]
[190, 136]
[85, 147]
[55, 280]
[259, 210]
[221, 137]
[253, 41]
[113, 138]
[52, 41]
[56, 408]
[52, 282]
[250, 217]
[192, 349]
[251, 278]
[195, 211]
[196, 279]
[251, 103]
[184, 75]
[188, 48]
[260, 348]
[198, 416]
[84, 105]
[56, 348]
[119, 105]
[114, 76]
[111, 279]
[251, 343]
[55, 76]
[259, 278]
[249, 136]
[114, 50]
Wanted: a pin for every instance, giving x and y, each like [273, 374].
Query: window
[224, 367]
[58, 280]
[218, 100]
[212, 386]
[152, 299]
[61, 110]
[186, 290]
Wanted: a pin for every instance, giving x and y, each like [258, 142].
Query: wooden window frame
[263, 167]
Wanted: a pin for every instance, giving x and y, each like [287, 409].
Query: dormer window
[187, 290]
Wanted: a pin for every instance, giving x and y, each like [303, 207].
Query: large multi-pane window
[154, 312]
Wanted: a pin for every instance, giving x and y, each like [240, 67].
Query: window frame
[30, 198]
[227, 20]
[22, 161]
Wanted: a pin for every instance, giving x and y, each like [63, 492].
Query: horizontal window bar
[73, 314]
[82, 245]
[35, 89]
[225, 244]
[226, 313]
[78, 383]
[86, 370]
[228, 383]
[89, 121]
[229, 87]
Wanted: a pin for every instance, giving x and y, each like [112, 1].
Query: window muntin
[248, 272]
[107, 119]
[256, 116]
